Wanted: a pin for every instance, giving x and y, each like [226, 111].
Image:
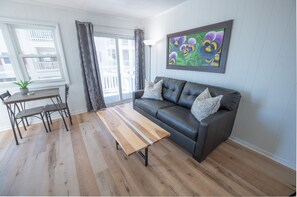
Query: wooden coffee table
[131, 130]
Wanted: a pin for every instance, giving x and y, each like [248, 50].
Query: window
[125, 56]
[32, 51]
[38, 53]
[124, 42]
[6, 70]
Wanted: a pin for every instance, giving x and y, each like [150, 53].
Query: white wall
[261, 65]
[66, 20]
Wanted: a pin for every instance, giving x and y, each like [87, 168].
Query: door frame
[116, 37]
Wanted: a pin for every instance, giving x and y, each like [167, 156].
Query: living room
[75, 153]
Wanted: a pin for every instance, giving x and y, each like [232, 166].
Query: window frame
[7, 26]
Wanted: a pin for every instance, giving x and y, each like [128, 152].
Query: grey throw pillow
[153, 91]
[205, 105]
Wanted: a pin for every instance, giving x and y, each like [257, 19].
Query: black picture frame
[205, 52]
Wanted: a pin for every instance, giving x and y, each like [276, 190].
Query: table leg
[47, 120]
[18, 129]
[15, 136]
[144, 156]
[27, 122]
[42, 118]
[23, 106]
[24, 124]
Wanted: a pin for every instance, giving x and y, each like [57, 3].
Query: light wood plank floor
[85, 161]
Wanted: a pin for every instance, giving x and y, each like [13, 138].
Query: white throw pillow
[153, 91]
[204, 95]
[205, 105]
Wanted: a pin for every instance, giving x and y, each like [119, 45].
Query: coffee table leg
[144, 156]
[117, 145]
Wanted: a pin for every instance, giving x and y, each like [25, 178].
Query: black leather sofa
[174, 115]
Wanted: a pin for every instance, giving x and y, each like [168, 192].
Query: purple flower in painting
[172, 58]
[178, 41]
[183, 47]
[192, 44]
[189, 47]
[210, 47]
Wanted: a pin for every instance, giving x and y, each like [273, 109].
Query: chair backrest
[66, 92]
[10, 109]
[5, 95]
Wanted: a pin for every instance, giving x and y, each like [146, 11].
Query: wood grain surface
[147, 127]
[130, 129]
[83, 161]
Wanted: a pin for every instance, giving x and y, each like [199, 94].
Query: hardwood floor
[84, 161]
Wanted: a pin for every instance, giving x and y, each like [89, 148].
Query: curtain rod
[105, 26]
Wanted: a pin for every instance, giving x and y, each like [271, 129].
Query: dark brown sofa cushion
[190, 92]
[181, 119]
[172, 88]
[151, 106]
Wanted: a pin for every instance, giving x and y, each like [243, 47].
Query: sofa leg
[197, 158]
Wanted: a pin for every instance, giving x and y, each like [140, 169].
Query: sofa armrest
[213, 131]
[136, 95]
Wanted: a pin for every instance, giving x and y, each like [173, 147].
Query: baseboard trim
[264, 153]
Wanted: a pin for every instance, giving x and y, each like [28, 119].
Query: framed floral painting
[201, 49]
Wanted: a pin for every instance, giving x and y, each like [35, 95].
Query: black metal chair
[60, 107]
[17, 115]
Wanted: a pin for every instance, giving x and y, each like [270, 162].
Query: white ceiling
[124, 8]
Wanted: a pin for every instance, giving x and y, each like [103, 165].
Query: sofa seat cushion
[151, 106]
[181, 119]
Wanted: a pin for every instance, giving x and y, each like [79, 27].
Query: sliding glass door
[116, 58]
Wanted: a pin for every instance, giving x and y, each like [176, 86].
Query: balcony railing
[110, 83]
[44, 70]
[38, 35]
[46, 65]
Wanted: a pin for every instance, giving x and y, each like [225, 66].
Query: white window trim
[116, 36]
[17, 63]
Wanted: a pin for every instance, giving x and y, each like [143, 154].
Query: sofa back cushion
[172, 88]
[230, 100]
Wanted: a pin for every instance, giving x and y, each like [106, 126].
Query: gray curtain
[139, 59]
[90, 67]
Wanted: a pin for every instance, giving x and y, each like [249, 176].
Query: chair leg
[61, 113]
[69, 115]
[43, 122]
[24, 124]
[19, 130]
[27, 121]
[47, 120]
[50, 118]
[65, 113]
